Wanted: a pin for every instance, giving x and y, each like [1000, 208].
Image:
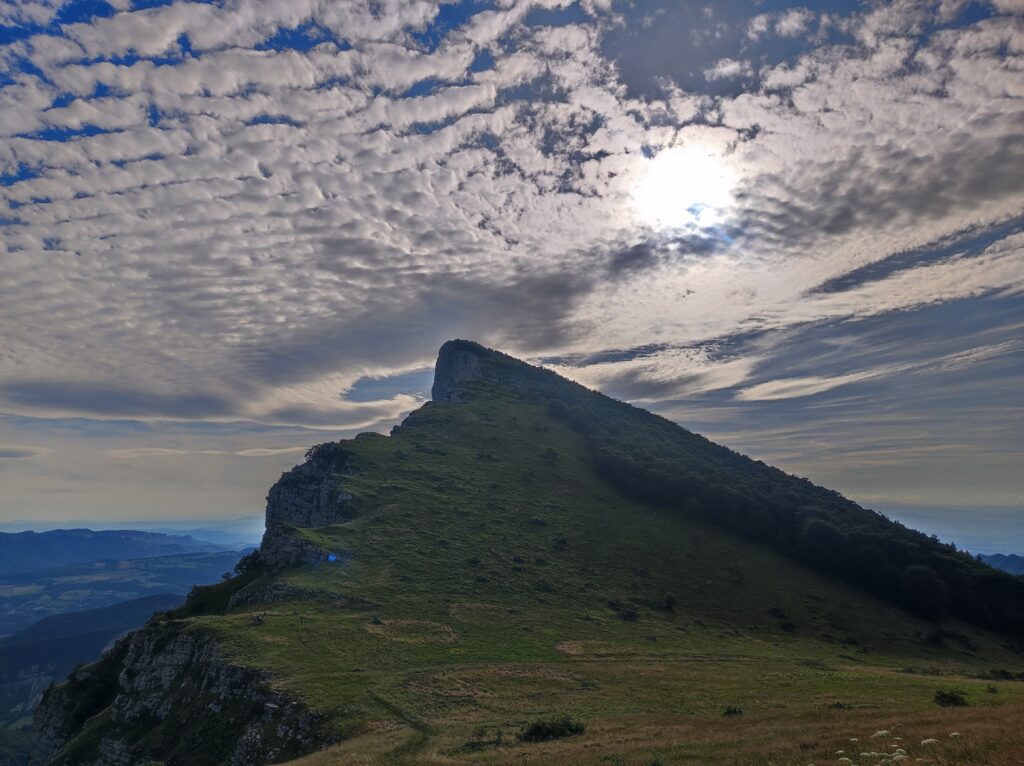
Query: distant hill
[234, 533]
[23, 551]
[529, 571]
[1008, 562]
[26, 597]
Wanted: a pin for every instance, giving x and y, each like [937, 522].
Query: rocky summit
[527, 570]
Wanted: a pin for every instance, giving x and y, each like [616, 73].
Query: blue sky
[230, 230]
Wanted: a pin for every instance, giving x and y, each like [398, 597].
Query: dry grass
[987, 737]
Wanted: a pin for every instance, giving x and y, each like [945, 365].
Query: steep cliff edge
[308, 496]
[168, 693]
[463, 365]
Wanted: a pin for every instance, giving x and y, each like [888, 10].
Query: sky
[232, 230]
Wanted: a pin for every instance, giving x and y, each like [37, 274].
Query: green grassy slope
[490, 575]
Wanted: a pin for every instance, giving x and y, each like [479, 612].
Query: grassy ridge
[491, 576]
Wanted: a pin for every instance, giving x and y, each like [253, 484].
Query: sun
[685, 187]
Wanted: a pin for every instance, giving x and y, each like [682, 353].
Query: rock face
[166, 693]
[170, 694]
[460, 363]
[311, 494]
[308, 496]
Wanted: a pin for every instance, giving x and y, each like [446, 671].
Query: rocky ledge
[308, 496]
[169, 694]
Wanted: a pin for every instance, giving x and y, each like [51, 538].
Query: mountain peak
[461, 363]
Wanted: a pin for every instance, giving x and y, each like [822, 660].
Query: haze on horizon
[230, 231]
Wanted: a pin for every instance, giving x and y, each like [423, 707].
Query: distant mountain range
[236, 533]
[1008, 562]
[23, 551]
[28, 596]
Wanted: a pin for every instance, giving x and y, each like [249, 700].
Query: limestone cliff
[167, 692]
[461, 363]
[308, 496]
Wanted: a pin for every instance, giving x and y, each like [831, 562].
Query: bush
[248, 562]
[950, 698]
[733, 710]
[625, 611]
[668, 603]
[547, 729]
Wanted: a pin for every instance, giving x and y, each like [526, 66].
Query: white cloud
[254, 230]
[727, 69]
[793, 22]
[144, 452]
[792, 388]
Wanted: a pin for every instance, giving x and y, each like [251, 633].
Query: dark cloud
[664, 251]
[971, 243]
[103, 400]
[884, 184]
[18, 453]
[527, 312]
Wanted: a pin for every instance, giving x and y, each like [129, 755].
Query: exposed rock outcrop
[312, 494]
[169, 694]
[308, 496]
[166, 692]
[460, 363]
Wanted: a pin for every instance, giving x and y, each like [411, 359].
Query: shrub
[330, 451]
[248, 562]
[625, 611]
[668, 603]
[547, 729]
[950, 698]
[733, 710]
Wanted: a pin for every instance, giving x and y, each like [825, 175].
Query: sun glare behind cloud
[685, 187]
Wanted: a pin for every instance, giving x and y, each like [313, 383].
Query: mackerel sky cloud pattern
[231, 218]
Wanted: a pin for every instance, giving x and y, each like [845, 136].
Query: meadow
[489, 577]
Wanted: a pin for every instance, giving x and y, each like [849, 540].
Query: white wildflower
[929, 741]
[882, 733]
[955, 734]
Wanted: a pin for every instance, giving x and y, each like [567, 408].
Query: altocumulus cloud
[17, 452]
[237, 211]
